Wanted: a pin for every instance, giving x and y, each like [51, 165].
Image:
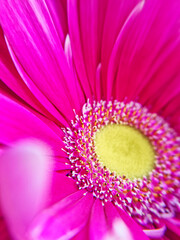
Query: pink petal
[175, 221]
[69, 57]
[59, 166]
[11, 78]
[62, 186]
[142, 63]
[16, 123]
[4, 233]
[68, 51]
[38, 54]
[64, 219]
[113, 213]
[58, 13]
[117, 87]
[119, 231]
[115, 17]
[25, 173]
[173, 230]
[85, 21]
[172, 112]
[83, 234]
[98, 224]
[99, 83]
[170, 235]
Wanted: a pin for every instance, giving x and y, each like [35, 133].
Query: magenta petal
[172, 113]
[58, 13]
[25, 173]
[11, 78]
[59, 166]
[38, 54]
[174, 228]
[74, 31]
[113, 213]
[16, 123]
[83, 234]
[135, 229]
[98, 224]
[68, 51]
[85, 21]
[62, 186]
[135, 60]
[4, 233]
[99, 83]
[115, 17]
[119, 231]
[148, 64]
[64, 219]
[175, 221]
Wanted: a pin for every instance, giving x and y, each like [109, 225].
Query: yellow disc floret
[124, 150]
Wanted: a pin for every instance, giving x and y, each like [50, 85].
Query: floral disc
[124, 150]
[124, 154]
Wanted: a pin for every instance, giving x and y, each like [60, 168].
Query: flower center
[124, 150]
[124, 154]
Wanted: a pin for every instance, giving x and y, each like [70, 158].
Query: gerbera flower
[98, 81]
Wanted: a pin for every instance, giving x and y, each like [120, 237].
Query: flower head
[98, 81]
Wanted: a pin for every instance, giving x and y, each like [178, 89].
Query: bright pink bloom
[55, 57]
